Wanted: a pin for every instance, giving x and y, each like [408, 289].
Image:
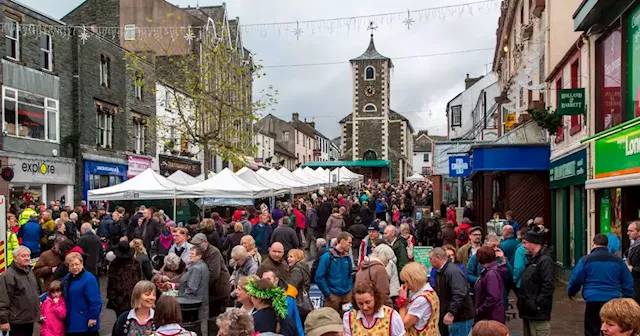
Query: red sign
[316, 152]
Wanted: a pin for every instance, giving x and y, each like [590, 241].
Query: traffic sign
[459, 166]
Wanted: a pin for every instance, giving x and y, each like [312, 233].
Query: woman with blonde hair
[139, 319]
[82, 294]
[388, 258]
[243, 298]
[250, 245]
[620, 317]
[142, 257]
[299, 277]
[420, 311]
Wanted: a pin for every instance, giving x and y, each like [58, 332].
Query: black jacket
[453, 291]
[151, 231]
[213, 238]
[358, 231]
[634, 260]
[92, 248]
[535, 298]
[366, 215]
[316, 262]
[287, 236]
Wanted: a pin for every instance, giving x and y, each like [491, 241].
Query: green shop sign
[618, 154]
[569, 170]
[571, 102]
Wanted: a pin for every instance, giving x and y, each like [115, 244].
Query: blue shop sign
[112, 173]
[511, 158]
[569, 170]
[459, 166]
[104, 168]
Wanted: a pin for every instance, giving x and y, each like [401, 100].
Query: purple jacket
[489, 293]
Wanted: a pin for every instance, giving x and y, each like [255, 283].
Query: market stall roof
[226, 184]
[321, 174]
[261, 171]
[182, 178]
[415, 178]
[357, 163]
[201, 176]
[308, 183]
[274, 176]
[303, 175]
[252, 177]
[148, 185]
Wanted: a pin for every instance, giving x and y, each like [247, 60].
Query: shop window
[560, 134]
[102, 181]
[138, 133]
[575, 83]
[46, 48]
[28, 115]
[13, 39]
[609, 79]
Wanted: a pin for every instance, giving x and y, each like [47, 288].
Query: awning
[613, 182]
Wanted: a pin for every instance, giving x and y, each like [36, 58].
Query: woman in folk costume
[420, 310]
[370, 317]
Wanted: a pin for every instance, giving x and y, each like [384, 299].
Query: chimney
[295, 116]
[313, 124]
[469, 81]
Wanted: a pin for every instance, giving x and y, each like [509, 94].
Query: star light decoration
[298, 31]
[84, 36]
[408, 21]
[190, 36]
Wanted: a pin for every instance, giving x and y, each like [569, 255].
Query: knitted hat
[532, 237]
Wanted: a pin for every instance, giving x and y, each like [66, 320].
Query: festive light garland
[296, 28]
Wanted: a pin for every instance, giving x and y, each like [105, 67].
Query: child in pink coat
[53, 311]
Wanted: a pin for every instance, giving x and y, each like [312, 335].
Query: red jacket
[451, 216]
[236, 215]
[463, 226]
[301, 219]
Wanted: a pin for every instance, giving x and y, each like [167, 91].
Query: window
[425, 157]
[521, 97]
[560, 133]
[46, 47]
[456, 115]
[609, 79]
[575, 83]
[105, 69]
[425, 170]
[101, 181]
[13, 39]
[370, 108]
[138, 133]
[370, 73]
[104, 125]
[30, 116]
[297, 137]
[138, 87]
[286, 136]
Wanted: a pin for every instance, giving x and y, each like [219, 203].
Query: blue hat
[374, 226]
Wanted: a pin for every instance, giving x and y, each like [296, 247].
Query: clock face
[369, 91]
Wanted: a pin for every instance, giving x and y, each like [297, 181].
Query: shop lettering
[41, 168]
[564, 171]
[632, 146]
[113, 170]
[571, 96]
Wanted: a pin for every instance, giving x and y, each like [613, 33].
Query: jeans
[462, 328]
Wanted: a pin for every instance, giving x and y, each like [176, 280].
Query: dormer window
[370, 73]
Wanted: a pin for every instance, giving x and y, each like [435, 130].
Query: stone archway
[370, 155]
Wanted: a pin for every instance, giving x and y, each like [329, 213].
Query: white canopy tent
[226, 184]
[321, 174]
[261, 171]
[296, 186]
[201, 176]
[341, 175]
[312, 185]
[415, 178]
[252, 177]
[303, 175]
[182, 178]
[148, 185]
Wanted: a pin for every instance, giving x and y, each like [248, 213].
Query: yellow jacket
[25, 215]
[47, 228]
[12, 244]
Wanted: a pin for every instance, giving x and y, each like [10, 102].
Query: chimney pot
[295, 116]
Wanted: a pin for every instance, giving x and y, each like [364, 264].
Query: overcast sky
[420, 86]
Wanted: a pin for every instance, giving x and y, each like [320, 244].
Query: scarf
[167, 241]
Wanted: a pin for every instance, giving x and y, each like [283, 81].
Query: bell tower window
[370, 108]
[370, 73]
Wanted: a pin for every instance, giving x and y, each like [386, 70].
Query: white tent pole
[175, 212]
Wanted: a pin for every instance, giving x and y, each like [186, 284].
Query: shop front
[102, 174]
[137, 164]
[616, 181]
[567, 177]
[511, 177]
[41, 179]
[170, 164]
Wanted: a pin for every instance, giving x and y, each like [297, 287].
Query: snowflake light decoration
[84, 36]
[190, 36]
[298, 31]
[408, 21]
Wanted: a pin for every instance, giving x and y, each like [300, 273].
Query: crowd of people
[253, 272]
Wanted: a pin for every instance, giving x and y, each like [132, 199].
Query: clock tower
[372, 131]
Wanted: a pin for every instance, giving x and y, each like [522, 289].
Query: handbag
[303, 301]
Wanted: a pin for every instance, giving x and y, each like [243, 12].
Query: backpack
[463, 235]
[432, 229]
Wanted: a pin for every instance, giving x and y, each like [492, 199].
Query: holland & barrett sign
[571, 102]
[618, 154]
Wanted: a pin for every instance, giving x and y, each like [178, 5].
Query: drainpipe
[591, 199]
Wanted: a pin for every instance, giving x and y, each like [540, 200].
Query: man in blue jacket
[333, 276]
[31, 233]
[602, 276]
[509, 243]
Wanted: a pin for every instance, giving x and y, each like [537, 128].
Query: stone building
[373, 131]
[37, 101]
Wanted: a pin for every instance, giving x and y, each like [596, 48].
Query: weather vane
[372, 27]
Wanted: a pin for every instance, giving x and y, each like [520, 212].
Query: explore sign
[571, 102]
